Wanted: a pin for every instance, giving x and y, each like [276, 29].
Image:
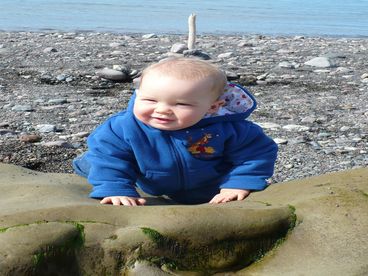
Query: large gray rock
[49, 225]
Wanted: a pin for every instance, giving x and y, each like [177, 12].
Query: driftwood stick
[192, 31]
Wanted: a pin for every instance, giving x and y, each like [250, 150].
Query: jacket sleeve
[113, 169]
[252, 156]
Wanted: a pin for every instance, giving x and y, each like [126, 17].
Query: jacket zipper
[179, 161]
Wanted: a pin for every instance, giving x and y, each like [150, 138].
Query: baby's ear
[215, 106]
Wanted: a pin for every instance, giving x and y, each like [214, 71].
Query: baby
[183, 135]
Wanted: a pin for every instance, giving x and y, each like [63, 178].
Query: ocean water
[270, 17]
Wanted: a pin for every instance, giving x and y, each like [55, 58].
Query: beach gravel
[312, 93]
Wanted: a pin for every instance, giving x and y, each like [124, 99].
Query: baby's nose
[163, 108]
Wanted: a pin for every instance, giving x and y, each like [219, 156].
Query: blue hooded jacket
[189, 165]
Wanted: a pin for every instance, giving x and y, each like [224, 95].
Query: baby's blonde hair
[190, 69]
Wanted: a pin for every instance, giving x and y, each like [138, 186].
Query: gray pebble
[46, 128]
[49, 50]
[22, 108]
[57, 101]
[178, 48]
[111, 74]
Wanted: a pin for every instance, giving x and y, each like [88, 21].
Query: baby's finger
[126, 201]
[141, 201]
[105, 200]
[216, 199]
[133, 201]
[115, 201]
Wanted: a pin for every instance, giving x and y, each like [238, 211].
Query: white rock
[226, 55]
[22, 108]
[178, 48]
[148, 36]
[46, 128]
[344, 128]
[321, 62]
[263, 76]
[116, 44]
[269, 125]
[364, 76]
[343, 70]
[49, 50]
[280, 141]
[297, 128]
[287, 64]
[116, 53]
[81, 134]
[60, 143]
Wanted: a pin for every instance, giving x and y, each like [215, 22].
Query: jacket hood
[239, 104]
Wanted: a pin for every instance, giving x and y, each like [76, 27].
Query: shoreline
[317, 114]
[199, 34]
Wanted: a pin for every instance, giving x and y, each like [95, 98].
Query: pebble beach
[312, 92]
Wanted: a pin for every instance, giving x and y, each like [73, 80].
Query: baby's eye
[183, 104]
[149, 100]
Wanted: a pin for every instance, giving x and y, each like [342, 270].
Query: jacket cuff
[99, 192]
[245, 183]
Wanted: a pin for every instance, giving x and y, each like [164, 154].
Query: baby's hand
[123, 200]
[227, 195]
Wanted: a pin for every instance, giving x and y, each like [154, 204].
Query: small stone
[343, 70]
[288, 65]
[323, 135]
[49, 50]
[322, 62]
[61, 77]
[22, 108]
[47, 78]
[263, 76]
[46, 128]
[7, 131]
[111, 74]
[69, 79]
[315, 145]
[148, 36]
[245, 44]
[280, 141]
[269, 125]
[344, 128]
[308, 120]
[60, 143]
[364, 76]
[231, 75]
[225, 55]
[57, 101]
[122, 68]
[81, 134]
[349, 149]
[116, 44]
[116, 53]
[30, 138]
[178, 48]
[4, 124]
[297, 128]
[196, 53]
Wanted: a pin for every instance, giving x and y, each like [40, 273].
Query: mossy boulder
[48, 226]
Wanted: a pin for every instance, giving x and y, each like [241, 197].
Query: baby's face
[168, 103]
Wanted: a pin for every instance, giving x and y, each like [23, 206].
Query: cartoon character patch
[199, 147]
